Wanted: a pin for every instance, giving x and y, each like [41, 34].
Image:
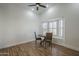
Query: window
[61, 28]
[53, 27]
[56, 26]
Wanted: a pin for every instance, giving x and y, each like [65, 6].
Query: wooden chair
[48, 39]
[37, 38]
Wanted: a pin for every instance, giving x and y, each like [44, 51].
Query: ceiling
[25, 6]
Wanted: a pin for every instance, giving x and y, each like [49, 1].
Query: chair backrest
[49, 36]
[35, 35]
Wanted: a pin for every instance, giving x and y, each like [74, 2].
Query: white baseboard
[16, 44]
[68, 46]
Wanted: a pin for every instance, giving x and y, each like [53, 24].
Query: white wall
[70, 12]
[17, 24]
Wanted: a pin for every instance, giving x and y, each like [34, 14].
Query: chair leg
[45, 44]
[51, 44]
[41, 42]
[35, 42]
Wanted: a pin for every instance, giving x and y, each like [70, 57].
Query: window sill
[56, 37]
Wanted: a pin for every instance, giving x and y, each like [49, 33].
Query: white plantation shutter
[56, 27]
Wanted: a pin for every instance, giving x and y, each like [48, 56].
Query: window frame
[53, 28]
[57, 20]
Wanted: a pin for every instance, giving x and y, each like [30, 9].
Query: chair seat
[38, 38]
[47, 40]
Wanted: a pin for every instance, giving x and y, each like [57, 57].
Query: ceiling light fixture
[38, 5]
[47, 6]
[32, 9]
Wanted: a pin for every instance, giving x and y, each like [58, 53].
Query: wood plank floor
[30, 49]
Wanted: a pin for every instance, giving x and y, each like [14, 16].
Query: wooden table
[43, 39]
